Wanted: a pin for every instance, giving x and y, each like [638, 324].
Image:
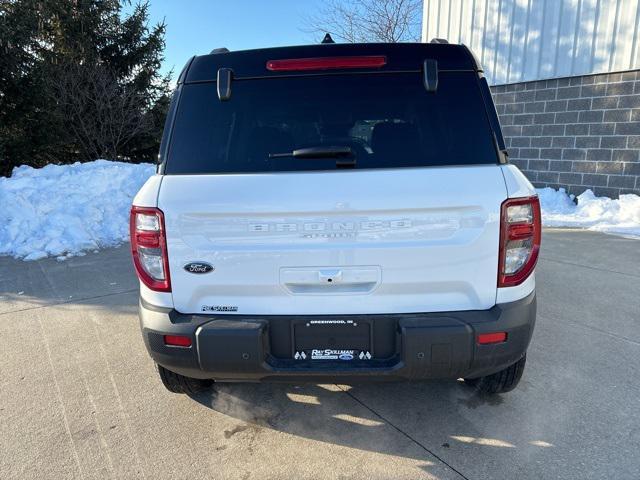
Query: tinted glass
[388, 121]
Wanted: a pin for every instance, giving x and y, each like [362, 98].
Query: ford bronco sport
[336, 213]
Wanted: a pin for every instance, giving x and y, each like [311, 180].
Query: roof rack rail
[439, 40]
[220, 50]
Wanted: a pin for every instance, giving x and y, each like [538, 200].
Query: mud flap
[443, 348]
[228, 346]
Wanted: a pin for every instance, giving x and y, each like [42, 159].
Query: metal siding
[584, 46]
[625, 30]
[517, 41]
[531, 57]
[523, 40]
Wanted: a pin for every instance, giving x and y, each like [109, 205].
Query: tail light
[520, 231]
[149, 248]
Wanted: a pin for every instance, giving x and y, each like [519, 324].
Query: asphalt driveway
[79, 397]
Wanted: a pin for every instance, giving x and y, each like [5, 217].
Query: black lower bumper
[403, 346]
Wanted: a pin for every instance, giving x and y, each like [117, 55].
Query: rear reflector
[177, 340]
[326, 63]
[488, 338]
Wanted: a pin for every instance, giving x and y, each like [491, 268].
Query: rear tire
[500, 382]
[176, 383]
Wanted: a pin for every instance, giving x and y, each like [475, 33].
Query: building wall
[577, 133]
[524, 40]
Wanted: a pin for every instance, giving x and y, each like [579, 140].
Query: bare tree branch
[356, 21]
[102, 115]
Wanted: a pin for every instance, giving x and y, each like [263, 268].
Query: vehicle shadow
[376, 417]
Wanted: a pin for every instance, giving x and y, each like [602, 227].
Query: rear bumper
[414, 346]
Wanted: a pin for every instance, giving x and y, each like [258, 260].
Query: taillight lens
[149, 248]
[520, 232]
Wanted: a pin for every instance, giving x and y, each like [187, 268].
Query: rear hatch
[407, 221]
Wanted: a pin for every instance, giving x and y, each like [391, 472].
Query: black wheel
[176, 383]
[499, 382]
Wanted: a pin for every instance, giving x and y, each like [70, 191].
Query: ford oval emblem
[346, 356]
[199, 267]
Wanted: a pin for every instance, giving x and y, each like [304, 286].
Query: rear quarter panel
[147, 196]
[517, 186]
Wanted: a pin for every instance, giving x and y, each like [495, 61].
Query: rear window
[388, 121]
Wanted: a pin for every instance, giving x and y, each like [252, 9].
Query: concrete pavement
[79, 397]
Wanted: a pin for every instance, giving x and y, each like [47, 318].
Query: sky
[195, 27]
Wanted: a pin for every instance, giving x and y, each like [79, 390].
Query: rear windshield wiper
[316, 152]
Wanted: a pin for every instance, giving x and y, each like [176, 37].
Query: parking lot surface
[79, 396]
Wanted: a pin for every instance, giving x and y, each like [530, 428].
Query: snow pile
[602, 214]
[62, 210]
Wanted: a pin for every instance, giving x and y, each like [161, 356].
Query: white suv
[336, 213]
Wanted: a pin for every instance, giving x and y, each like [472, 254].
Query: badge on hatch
[199, 267]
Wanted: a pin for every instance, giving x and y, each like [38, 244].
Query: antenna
[327, 39]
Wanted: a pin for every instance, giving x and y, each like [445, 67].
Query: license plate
[321, 340]
[346, 355]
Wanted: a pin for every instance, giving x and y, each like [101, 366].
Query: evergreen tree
[79, 80]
